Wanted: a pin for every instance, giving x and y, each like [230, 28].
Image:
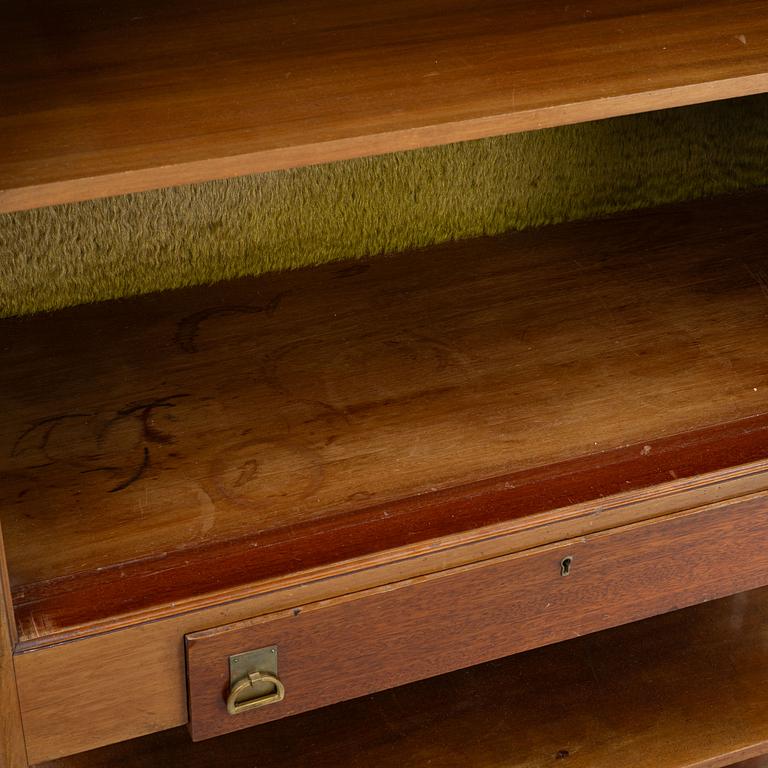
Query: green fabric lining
[122, 246]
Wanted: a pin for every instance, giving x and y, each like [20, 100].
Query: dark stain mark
[46, 427]
[362, 407]
[249, 471]
[143, 412]
[243, 491]
[330, 410]
[100, 469]
[188, 327]
[562, 754]
[274, 303]
[353, 270]
[140, 470]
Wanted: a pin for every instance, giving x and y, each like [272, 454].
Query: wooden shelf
[684, 690]
[108, 98]
[191, 446]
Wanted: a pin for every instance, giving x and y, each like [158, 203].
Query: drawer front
[380, 638]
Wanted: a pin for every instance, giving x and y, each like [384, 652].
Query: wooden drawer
[380, 638]
[584, 703]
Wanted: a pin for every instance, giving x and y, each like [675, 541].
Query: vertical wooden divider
[13, 753]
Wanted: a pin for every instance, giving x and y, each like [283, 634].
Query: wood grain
[146, 660]
[270, 416]
[13, 752]
[359, 644]
[108, 98]
[525, 510]
[683, 690]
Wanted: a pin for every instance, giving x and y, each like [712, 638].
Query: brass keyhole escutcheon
[565, 565]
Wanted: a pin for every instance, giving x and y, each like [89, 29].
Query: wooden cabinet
[678, 689]
[104, 99]
[376, 639]
[402, 468]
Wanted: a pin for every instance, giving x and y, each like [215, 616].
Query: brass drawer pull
[235, 707]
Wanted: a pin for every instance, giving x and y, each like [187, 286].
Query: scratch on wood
[143, 411]
[354, 269]
[141, 469]
[46, 426]
[760, 277]
[137, 473]
[188, 327]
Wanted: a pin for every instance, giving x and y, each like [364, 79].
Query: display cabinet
[494, 502]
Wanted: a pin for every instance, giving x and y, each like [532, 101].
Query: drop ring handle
[236, 707]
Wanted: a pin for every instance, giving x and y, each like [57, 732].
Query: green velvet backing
[121, 246]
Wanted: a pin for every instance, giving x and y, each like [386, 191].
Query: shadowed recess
[122, 246]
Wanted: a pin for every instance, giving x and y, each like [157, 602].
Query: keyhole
[565, 565]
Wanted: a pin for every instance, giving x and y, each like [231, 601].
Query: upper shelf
[102, 98]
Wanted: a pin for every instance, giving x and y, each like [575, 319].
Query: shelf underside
[182, 443]
[100, 99]
[683, 690]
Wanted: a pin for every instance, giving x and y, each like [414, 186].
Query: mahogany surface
[358, 644]
[13, 753]
[212, 437]
[102, 98]
[160, 449]
[683, 690]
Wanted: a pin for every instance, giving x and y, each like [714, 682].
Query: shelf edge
[76, 190]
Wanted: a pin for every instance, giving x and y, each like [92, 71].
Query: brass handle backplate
[253, 680]
[236, 705]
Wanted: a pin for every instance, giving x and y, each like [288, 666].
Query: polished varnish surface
[104, 98]
[209, 437]
[684, 690]
[358, 644]
[13, 752]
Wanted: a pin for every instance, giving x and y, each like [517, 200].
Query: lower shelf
[683, 689]
[585, 376]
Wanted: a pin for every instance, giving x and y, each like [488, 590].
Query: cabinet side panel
[12, 750]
